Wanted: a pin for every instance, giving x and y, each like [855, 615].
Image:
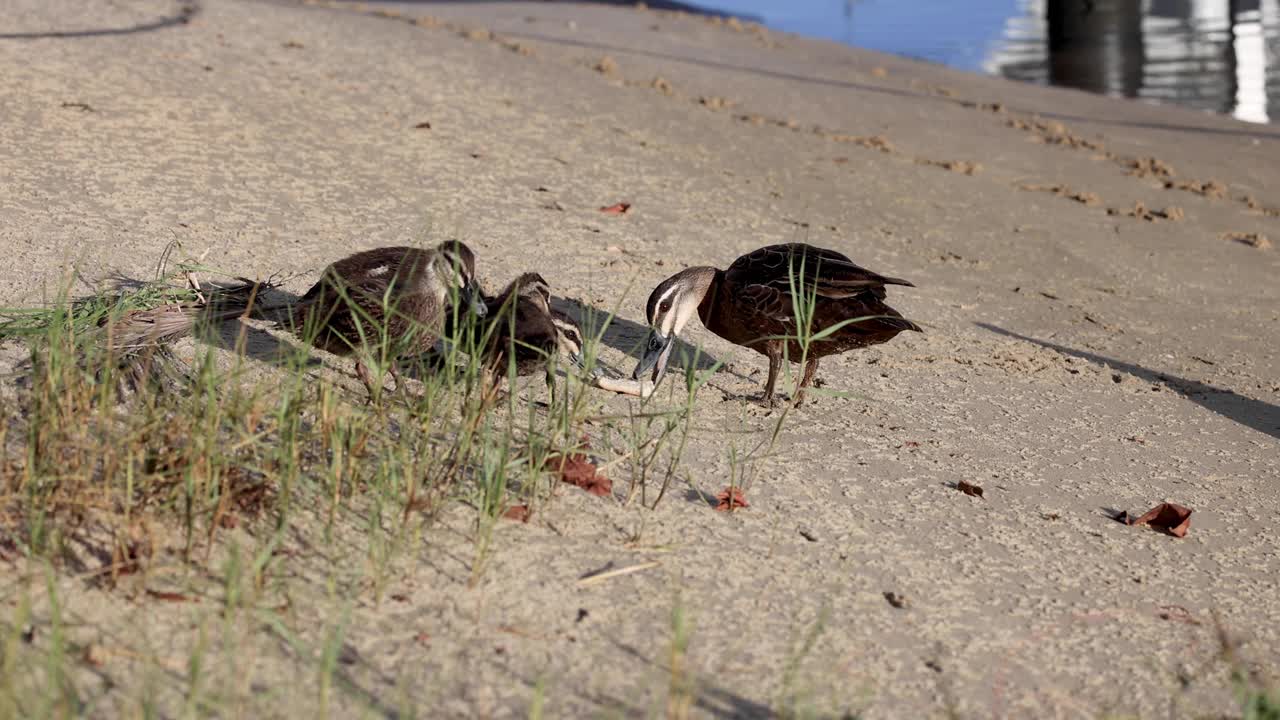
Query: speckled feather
[347, 303]
[752, 301]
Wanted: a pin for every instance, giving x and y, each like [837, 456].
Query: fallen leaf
[895, 600]
[606, 66]
[616, 209]
[518, 513]
[422, 638]
[730, 499]
[424, 125]
[171, 596]
[1257, 240]
[1169, 517]
[577, 470]
[400, 597]
[1177, 613]
[969, 488]
[94, 655]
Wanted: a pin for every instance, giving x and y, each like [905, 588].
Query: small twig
[610, 574]
[625, 455]
[194, 282]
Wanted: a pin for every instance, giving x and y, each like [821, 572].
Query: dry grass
[117, 457]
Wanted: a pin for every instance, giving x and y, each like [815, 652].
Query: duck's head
[670, 307]
[533, 286]
[569, 339]
[455, 265]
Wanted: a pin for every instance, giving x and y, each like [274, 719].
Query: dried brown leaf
[1169, 517]
[616, 208]
[518, 513]
[1178, 614]
[579, 471]
[969, 488]
[731, 498]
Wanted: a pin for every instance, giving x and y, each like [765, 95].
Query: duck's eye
[665, 306]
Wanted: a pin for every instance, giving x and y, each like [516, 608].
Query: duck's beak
[473, 299]
[578, 362]
[656, 354]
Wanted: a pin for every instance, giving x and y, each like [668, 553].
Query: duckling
[754, 302]
[524, 322]
[387, 302]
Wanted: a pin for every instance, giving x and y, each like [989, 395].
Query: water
[1215, 55]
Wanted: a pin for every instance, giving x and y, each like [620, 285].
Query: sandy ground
[1079, 356]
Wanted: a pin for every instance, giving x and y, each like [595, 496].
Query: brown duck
[385, 303]
[525, 327]
[754, 303]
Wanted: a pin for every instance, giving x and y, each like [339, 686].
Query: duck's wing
[766, 301]
[370, 274]
[799, 267]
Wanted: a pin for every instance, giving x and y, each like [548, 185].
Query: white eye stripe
[667, 295]
[663, 298]
[454, 261]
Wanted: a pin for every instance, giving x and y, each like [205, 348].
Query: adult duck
[386, 303]
[770, 299]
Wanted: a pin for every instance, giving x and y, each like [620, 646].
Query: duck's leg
[551, 385]
[774, 351]
[810, 369]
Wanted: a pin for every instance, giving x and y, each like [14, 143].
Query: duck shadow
[629, 338]
[213, 328]
[1256, 414]
[239, 336]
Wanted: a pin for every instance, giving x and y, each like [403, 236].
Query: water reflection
[1216, 55]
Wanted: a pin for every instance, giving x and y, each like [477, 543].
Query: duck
[525, 327]
[385, 303]
[755, 302]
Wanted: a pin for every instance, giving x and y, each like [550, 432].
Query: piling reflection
[1214, 55]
